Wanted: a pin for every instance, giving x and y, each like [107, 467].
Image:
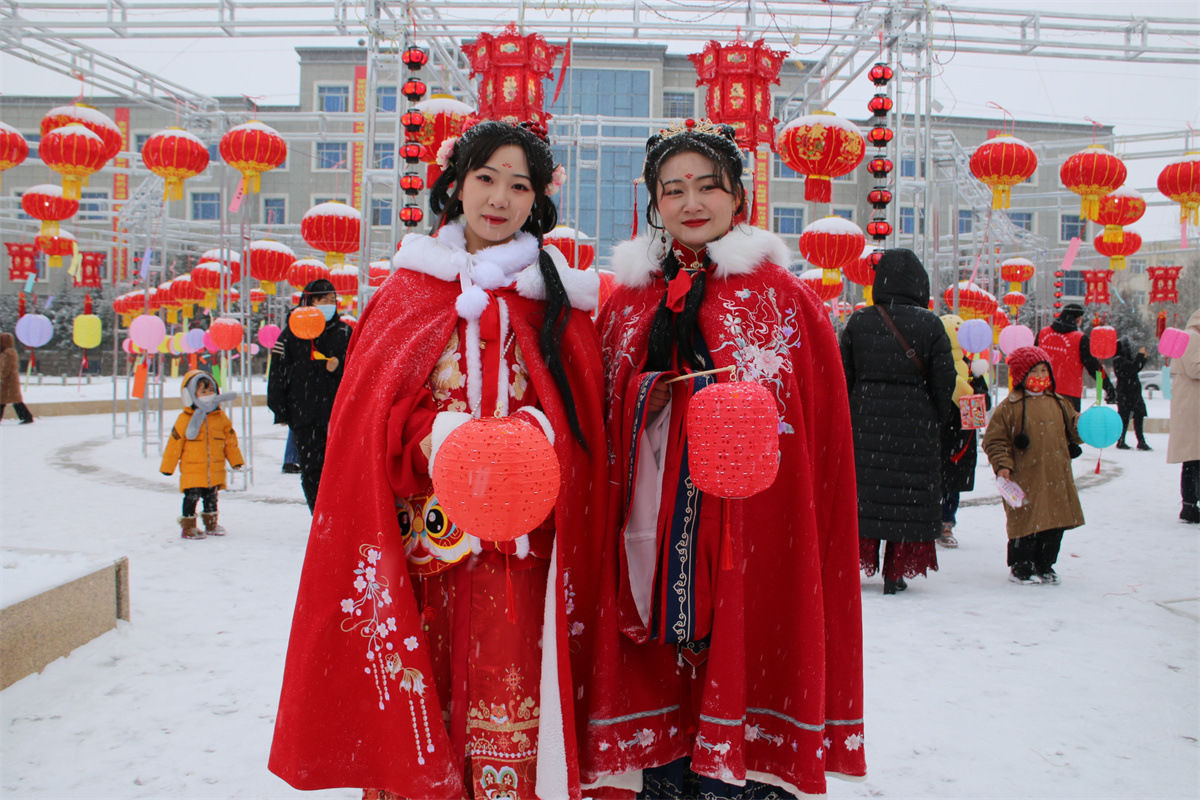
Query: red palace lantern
[1123, 207]
[90, 267]
[378, 273]
[879, 136]
[880, 168]
[1096, 286]
[226, 257]
[185, 292]
[306, 270]
[513, 70]
[1180, 181]
[46, 202]
[1016, 271]
[60, 244]
[861, 271]
[733, 439]
[333, 228]
[1164, 284]
[880, 74]
[1117, 251]
[1092, 173]
[174, 155]
[413, 89]
[578, 254]
[13, 147]
[879, 229]
[344, 280]
[226, 333]
[93, 119]
[825, 290]
[269, 263]
[1014, 300]
[411, 215]
[497, 477]
[821, 147]
[22, 261]
[739, 77]
[880, 105]
[414, 57]
[444, 117]
[411, 184]
[412, 121]
[257, 298]
[879, 197]
[973, 302]
[252, 149]
[74, 152]
[832, 243]
[1001, 163]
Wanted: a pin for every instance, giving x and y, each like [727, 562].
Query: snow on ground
[975, 687]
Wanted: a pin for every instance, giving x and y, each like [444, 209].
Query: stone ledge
[66, 408]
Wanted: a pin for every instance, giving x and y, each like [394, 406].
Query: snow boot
[1190, 513]
[188, 529]
[891, 587]
[1022, 574]
[1122, 446]
[1144, 446]
[211, 527]
[1049, 577]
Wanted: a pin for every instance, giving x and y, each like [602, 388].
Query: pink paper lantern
[269, 334]
[733, 439]
[1173, 342]
[1014, 337]
[147, 331]
[209, 344]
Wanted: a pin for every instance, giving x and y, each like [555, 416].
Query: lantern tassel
[726, 540]
[1114, 233]
[1097, 465]
[818, 189]
[510, 607]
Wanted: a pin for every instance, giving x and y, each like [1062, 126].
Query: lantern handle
[730, 368]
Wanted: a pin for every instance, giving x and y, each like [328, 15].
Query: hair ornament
[557, 179]
[445, 151]
[689, 125]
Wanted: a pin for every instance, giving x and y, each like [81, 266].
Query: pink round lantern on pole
[733, 439]
[497, 478]
[269, 334]
[1015, 337]
[147, 331]
[1103, 341]
[1173, 342]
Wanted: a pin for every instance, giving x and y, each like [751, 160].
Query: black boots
[1190, 513]
[891, 587]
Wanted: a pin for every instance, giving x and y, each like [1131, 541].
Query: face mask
[1037, 385]
[327, 310]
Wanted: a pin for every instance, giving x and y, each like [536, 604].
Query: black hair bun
[1021, 440]
[1075, 450]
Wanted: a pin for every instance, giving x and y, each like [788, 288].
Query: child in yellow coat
[202, 440]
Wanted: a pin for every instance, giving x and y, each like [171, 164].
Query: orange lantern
[821, 147]
[226, 333]
[733, 439]
[269, 263]
[1096, 286]
[832, 243]
[333, 228]
[345, 281]
[497, 477]
[46, 202]
[973, 302]
[861, 271]
[174, 155]
[305, 270]
[1092, 173]
[815, 280]
[379, 272]
[739, 78]
[93, 119]
[1117, 251]
[60, 244]
[307, 322]
[579, 255]
[1123, 207]
[252, 149]
[1180, 181]
[513, 70]
[13, 147]
[1001, 163]
[74, 152]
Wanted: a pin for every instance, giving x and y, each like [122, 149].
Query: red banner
[1164, 284]
[360, 107]
[22, 261]
[91, 267]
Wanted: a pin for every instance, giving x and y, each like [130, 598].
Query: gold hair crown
[691, 126]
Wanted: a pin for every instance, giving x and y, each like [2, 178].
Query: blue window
[1073, 283]
[1071, 226]
[908, 167]
[788, 220]
[679, 105]
[333, 98]
[911, 222]
[1022, 219]
[139, 140]
[782, 170]
[214, 154]
[611, 92]
[274, 210]
[381, 211]
[93, 204]
[385, 156]
[966, 220]
[330, 155]
[206, 205]
[385, 98]
[844, 213]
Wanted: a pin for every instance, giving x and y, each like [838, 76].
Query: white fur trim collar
[738, 252]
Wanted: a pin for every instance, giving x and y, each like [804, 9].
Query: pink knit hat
[1023, 359]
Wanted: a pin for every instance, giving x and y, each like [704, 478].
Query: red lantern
[269, 263]
[1016, 271]
[413, 89]
[739, 78]
[1092, 173]
[1123, 207]
[579, 255]
[22, 261]
[306, 322]
[412, 152]
[46, 202]
[379, 272]
[90, 267]
[1164, 282]
[174, 155]
[414, 57]
[733, 439]
[861, 271]
[412, 121]
[209, 277]
[1014, 300]
[411, 215]
[252, 149]
[1117, 251]
[832, 243]
[879, 136]
[497, 477]
[226, 257]
[1096, 286]
[411, 184]
[880, 74]
[226, 333]
[880, 105]
[61, 244]
[306, 270]
[345, 281]
[513, 70]
[879, 229]
[443, 117]
[74, 152]
[1180, 181]
[13, 147]
[93, 119]
[333, 228]
[825, 290]
[879, 197]
[185, 292]
[1000, 321]
[821, 147]
[973, 302]
[1001, 163]
[257, 298]
[1103, 341]
[880, 168]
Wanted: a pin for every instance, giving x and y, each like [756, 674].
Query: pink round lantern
[733, 439]
[1103, 341]
[1015, 337]
[1173, 342]
[147, 331]
[269, 334]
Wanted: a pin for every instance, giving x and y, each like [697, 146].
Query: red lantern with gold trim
[174, 155]
[739, 77]
[815, 280]
[1002, 162]
[47, 203]
[1164, 284]
[252, 149]
[379, 272]
[1096, 286]
[226, 257]
[1117, 251]
[1180, 181]
[13, 147]
[74, 152]
[306, 270]
[1014, 300]
[1016, 271]
[821, 147]
[61, 244]
[333, 228]
[513, 70]
[973, 301]
[345, 281]
[861, 271]
[1122, 207]
[269, 263]
[578, 254]
[1092, 173]
[832, 243]
[93, 119]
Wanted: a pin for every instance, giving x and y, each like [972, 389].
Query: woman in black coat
[1130, 403]
[899, 409]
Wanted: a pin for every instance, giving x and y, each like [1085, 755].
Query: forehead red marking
[506, 165]
[688, 176]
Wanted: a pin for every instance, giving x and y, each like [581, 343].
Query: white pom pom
[522, 544]
[488, 275]
[979, 367]
[471, 303]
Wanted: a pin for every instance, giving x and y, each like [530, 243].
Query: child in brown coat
[10, 379]
[202, 440]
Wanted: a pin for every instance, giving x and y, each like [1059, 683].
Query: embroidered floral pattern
[619, 350]
[447, 377]
[854, 741]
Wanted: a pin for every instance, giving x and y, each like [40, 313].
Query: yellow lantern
[87, 330]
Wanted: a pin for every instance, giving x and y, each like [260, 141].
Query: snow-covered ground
[975, 687]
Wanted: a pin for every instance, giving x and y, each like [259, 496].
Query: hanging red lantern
[13, 147]
[973, 302]
[1117, 251]
[411, 184]
[257, 298]
[90, 266]
[1102, 340]
[1164, 284]
[513, 70]
[412, 152]
[880, 74]
[269, 263]
[1092, 173]
[47, 203]
[879, 229]
[1000, 321]
[1122, 207]
[879, 136]
[861, 271]
[497, 477]
[209, 277]
[1014, 300]
[825, 290]
[174, 155]
[413, 89]
[226, 257]
[1001, 163]
[185, 292]
[252, 149]
[733, 439]
[306, 270]
[344, 280]
[1096, 286]
[832, 243]
[412, 121]
[444, 117]
[880, 168]
[74, 152]
[226, 333]
[1180, 181]
[378, 273]
[56, 247]
[22, 260]
[880, 105]
[93, 119]
[879, 197]
[578, 254]
[414, 57]
[411, 215]
[821, 147]
[333, 228]
[1016, 271]
[739, 77]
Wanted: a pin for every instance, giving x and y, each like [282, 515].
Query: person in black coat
[958, 464]
[305, 374]
[900, 404]
[1130, 403]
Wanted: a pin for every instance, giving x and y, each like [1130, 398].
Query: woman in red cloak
[424, 663]
[728, 654]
